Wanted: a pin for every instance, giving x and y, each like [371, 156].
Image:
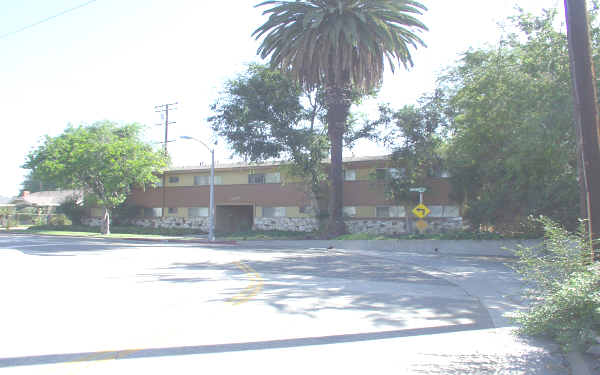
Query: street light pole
[211, 228]
[211, 209]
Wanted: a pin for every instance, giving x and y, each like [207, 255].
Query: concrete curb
[176, 240]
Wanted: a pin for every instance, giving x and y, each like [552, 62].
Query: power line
[46, 19]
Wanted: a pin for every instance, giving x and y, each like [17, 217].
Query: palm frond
[340, 42]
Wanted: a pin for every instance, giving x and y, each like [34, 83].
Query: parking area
[98, 306]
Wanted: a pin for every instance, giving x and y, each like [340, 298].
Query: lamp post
[211, 209]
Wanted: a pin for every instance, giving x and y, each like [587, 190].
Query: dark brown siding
[371, 193]
[198, 196]
[356, 193]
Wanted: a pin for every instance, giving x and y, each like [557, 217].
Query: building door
[231, 219]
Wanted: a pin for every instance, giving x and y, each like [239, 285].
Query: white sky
[116, 60]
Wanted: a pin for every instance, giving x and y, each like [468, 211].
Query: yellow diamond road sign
[421, 211]
[422, 225]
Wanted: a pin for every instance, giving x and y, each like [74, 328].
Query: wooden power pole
[586, 110]
[165, 109]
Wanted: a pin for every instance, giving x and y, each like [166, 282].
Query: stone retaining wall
[399, 225]
[159, 222]
[306, 224]
[292, 224]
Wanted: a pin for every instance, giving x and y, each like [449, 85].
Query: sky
[116, 60]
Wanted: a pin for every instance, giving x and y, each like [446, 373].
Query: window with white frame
[349, 211]
[173, 179]
[350, 174]
[389, 211]
[383, 211]
[389, 173]
[205, 180]
[173, 210]
[256, 178]
[273, 211]
[198, 212]
[152, 212]
[273, 178]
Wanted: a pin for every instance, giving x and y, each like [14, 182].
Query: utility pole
[164, 108]
[586, 111]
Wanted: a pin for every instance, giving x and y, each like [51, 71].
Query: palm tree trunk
[338, 106]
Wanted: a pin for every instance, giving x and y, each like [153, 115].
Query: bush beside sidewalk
[563, 294]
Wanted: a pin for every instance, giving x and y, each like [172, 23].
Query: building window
[198, 212]
[451, 211]
[383, 211]
[389, 173]
[173, 179]
[349, 211]
[205, 180]
[173, 210]
[273, 178]
[152, 212]
[439, 173]
[273, 211]
[154, 185]
[390, 211]
[256, 178]
[350, 174]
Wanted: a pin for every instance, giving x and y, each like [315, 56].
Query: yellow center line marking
[251, 290]
[245, 295]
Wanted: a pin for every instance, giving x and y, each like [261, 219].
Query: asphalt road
[81, 306]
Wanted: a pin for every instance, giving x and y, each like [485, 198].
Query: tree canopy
[339, 46]
[513, 150]
[340, 42]
[263, 115]
[104, 160]
[417, 136]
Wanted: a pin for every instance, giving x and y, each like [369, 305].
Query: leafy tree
[339, 46]
[513, 149]
[34, 184]
[263, 114]
[417, 136]
[74, 209]
[103, 159]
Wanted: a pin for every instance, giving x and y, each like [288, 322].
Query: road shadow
[389, 295]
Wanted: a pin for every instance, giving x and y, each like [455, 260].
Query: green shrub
[73, 209]
[124, 213]
[59, 220]
[564, 291]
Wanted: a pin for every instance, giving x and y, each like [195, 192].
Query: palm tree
[339, 46]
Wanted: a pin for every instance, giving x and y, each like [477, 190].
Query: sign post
[420, 211]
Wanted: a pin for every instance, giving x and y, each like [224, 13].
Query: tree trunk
[338, 106]
[586, 109]
[105, 228]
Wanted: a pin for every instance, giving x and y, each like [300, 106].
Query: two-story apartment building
[264, 197]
